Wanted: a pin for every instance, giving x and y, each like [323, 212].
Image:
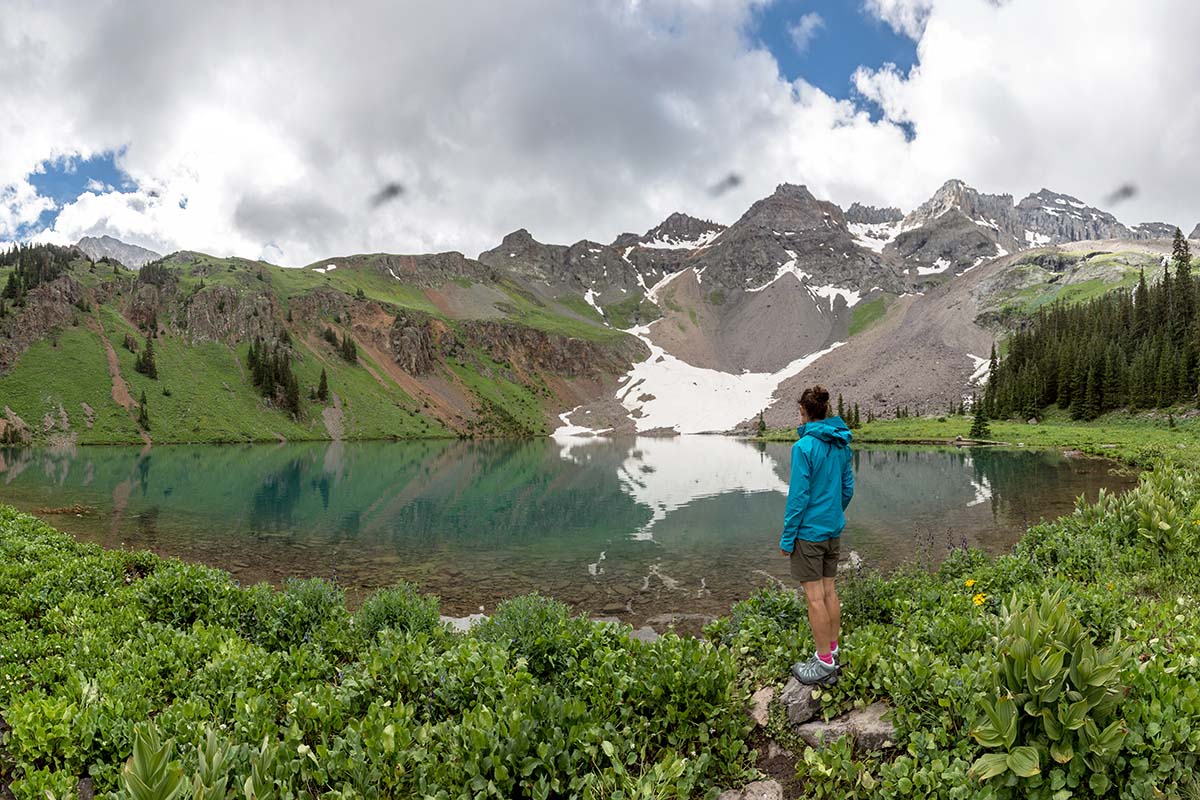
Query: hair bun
[821, 394]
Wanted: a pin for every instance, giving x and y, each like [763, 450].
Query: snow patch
[829, 292]
[786, 268]
[690, 399]
[326, 268]
[1035, 239]
[702, 240]
[980, 375]
[874, 236]
[941, 265]
[590, 297]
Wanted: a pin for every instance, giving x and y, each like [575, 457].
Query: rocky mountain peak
[860, 214]
[1153, 230]
[990, 210]
[1195, 234]
[681, 231]
[1049, 217]
[793, 208]
[130, 255]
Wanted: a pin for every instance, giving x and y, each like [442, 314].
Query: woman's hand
[785, 552]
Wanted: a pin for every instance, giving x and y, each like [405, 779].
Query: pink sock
[826, 658]
[833, 645]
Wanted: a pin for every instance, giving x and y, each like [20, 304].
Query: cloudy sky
[274, 129]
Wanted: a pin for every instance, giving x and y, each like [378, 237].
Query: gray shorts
[812, 561]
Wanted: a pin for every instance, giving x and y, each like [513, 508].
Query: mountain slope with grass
[373, 346]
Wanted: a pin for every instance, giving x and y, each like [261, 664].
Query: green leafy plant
[401, 608]
[151, 772]
[1053, 720]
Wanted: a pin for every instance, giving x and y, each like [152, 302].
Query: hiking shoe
[815, 672]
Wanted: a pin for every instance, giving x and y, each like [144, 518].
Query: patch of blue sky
[64, 179]
[825, 41]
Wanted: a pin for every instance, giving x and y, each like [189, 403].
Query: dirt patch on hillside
[332, 417]
[120, 392]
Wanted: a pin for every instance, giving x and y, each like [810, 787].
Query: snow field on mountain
[670, 393]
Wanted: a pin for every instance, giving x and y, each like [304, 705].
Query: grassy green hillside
[1039, 278]
[60, 385]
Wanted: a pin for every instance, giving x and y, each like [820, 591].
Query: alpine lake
[648, 530]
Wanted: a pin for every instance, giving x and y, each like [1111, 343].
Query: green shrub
[540, 630]
[303, 611]
[181, 594]
[400, 608]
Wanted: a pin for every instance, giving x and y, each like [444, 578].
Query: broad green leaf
[1024, 762]
[990, 765]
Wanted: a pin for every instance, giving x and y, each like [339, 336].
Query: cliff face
[48, 307]
[418, 342]
[870, 215]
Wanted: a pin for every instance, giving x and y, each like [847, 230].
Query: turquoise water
[638, 528]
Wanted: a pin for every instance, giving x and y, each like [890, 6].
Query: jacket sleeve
[847, 483]
[797, 502]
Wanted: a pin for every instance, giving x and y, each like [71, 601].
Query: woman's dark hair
[815, 400]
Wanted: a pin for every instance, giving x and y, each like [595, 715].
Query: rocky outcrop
[48, 307]
[798, 703]
[946, 245]
[222, 313]
[1153, 230]
[988, 210]
[680, 232]
[413, 343]
[562, 355]
[759, 790]
[129, 255]
[433, 269]
[419, 342]
[868, 726]
[1048, 217]
[870, 215]
[579, 268]
[1195, 234]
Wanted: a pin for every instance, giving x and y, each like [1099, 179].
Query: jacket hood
[832, 430]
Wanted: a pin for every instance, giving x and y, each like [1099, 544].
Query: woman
[821, 488]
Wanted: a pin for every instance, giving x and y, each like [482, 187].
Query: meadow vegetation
[1068, 668]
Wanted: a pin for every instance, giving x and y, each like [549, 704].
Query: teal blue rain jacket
[822, 483]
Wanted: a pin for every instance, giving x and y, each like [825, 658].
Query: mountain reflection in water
[634, 528]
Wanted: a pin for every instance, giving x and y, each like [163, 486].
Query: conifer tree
[349, 349]
[1183, 320]
[144, 363]
[323, 390]
[979, 425]
[841, 407]
[143, 417]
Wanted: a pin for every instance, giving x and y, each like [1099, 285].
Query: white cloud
[906, 17]
[803, 30]
[20, 205]
[278, 123]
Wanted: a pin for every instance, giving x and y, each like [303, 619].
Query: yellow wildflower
[979, 599]
[969, 583]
